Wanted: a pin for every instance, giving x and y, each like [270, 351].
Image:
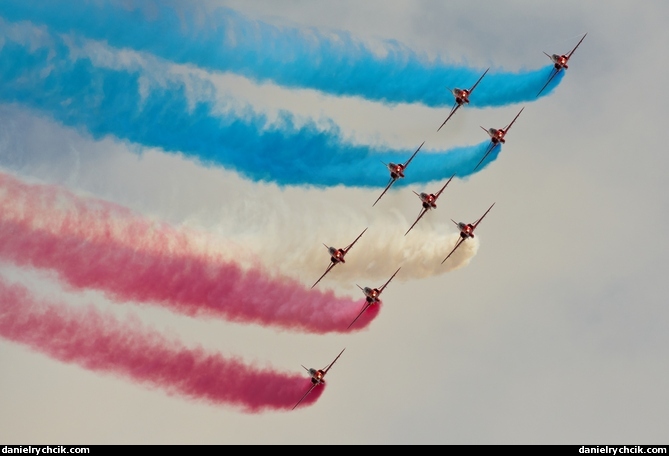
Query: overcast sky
[554, 332]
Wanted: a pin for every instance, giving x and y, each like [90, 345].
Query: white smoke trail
[246, 221]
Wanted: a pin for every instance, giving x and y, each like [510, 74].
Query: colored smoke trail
[100, 343]
[224, 40]
[47, 74]
[255, 223]
[127, 263]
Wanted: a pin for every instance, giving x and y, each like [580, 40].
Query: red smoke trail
[98, 245]
[100, 343]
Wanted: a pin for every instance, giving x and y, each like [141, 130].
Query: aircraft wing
[392, 181]
[305, 395]
[436, 196]
[477, 82]
[457, 244]
[553, 74]
[487, 132]
[422, 213]
[414, 154]
[361, 312]
[453, 109]
[326, 369]
[356, 240]
[579, 43]
[492, 146]
[486, 213]
[506, 130]
[391, 278]
[330, 266]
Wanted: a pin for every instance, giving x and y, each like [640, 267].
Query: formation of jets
[428, 202]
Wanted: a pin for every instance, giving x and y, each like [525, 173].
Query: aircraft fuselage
[466, 230]
[396, 171]
[496, 136]
[428, 200]
[336, 255]
[371, 294]
[461, 96]
[560, 61]
[316, 376]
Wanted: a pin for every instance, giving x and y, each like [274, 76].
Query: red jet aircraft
[396, 172]
[317, 377]
[429, 202]
[496, 137]
[372, 296]
[466, 232]
[337, 255]
[461, 97]
[559, 63]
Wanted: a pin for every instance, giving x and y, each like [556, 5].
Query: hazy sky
[552, 328]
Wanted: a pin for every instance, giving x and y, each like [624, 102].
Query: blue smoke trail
[224, 40]
[102, 101]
